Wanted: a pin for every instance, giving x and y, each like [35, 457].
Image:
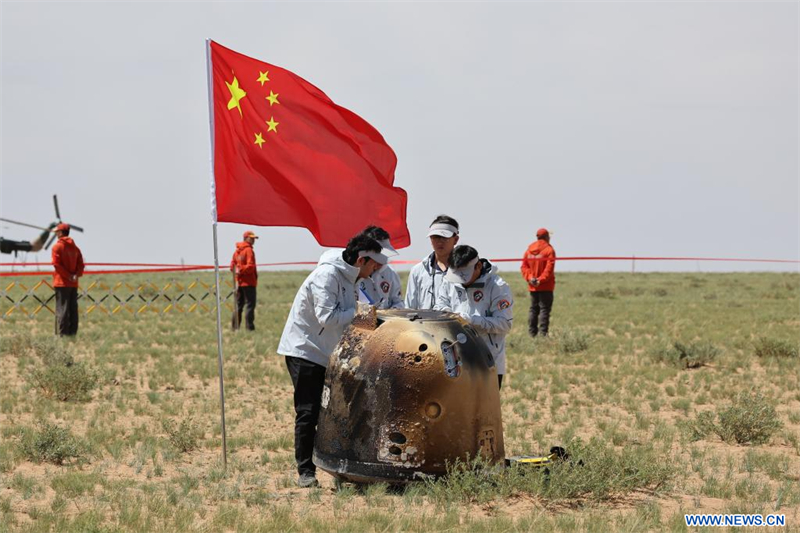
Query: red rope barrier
[167, 267]
[637, 258]
[98, 272]
[108, 264]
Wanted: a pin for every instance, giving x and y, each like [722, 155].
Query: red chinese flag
[286, 155]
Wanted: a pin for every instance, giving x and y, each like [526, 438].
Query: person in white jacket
[425, 279]
[324, 306]
[473, 290]
[383, 288]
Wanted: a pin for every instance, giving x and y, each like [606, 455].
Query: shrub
[59, 375]
[51, 444]
[570, 342]
[693, 355]
[766, 347]
[183, 436]
[750, 419]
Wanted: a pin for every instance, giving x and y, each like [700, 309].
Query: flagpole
[216, 256]
[219, 353]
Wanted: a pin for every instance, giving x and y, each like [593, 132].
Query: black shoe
[307, 481]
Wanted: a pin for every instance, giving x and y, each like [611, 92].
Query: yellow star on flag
[236, 95]
[262, 77]
[259, 140]
[273, 98]
[273, 126]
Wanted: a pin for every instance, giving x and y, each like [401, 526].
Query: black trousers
[66, 310]
[308, 379]
[245, 296]
[539, 314]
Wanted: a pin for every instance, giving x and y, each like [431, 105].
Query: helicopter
[44, 240]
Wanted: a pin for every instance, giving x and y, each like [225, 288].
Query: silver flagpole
[216, 257]
[219, 353]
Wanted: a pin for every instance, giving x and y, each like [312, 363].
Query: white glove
[364, 308]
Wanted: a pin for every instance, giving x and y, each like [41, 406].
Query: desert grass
[675, 393]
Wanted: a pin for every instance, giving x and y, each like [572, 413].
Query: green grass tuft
[685, 355]
[58, 375]
[184, 436]
[750, 419]
[50, 443]
[572, 341]
[595, 470]
[767, 347]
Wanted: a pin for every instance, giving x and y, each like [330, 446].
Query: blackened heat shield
[406, 395]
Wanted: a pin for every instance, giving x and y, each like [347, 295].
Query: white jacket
[487, 305]
[324, 306]
[383, 289]
[424, 284]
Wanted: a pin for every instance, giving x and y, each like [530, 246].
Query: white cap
[388, 249]
[461, 275]
[378, 258]
[442, 230]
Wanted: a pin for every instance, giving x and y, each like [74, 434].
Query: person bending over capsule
[473, 290]
[383, 288]
[324, 306]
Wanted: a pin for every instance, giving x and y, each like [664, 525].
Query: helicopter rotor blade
[76, 228]
[55, 203]
[50, 241]
[24, 224]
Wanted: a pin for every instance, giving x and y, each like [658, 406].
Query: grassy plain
[652, 379]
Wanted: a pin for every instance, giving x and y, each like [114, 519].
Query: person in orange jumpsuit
[538, 269]
[68, 263]
[243, 265]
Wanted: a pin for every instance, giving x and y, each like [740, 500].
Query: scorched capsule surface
[406, 394]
